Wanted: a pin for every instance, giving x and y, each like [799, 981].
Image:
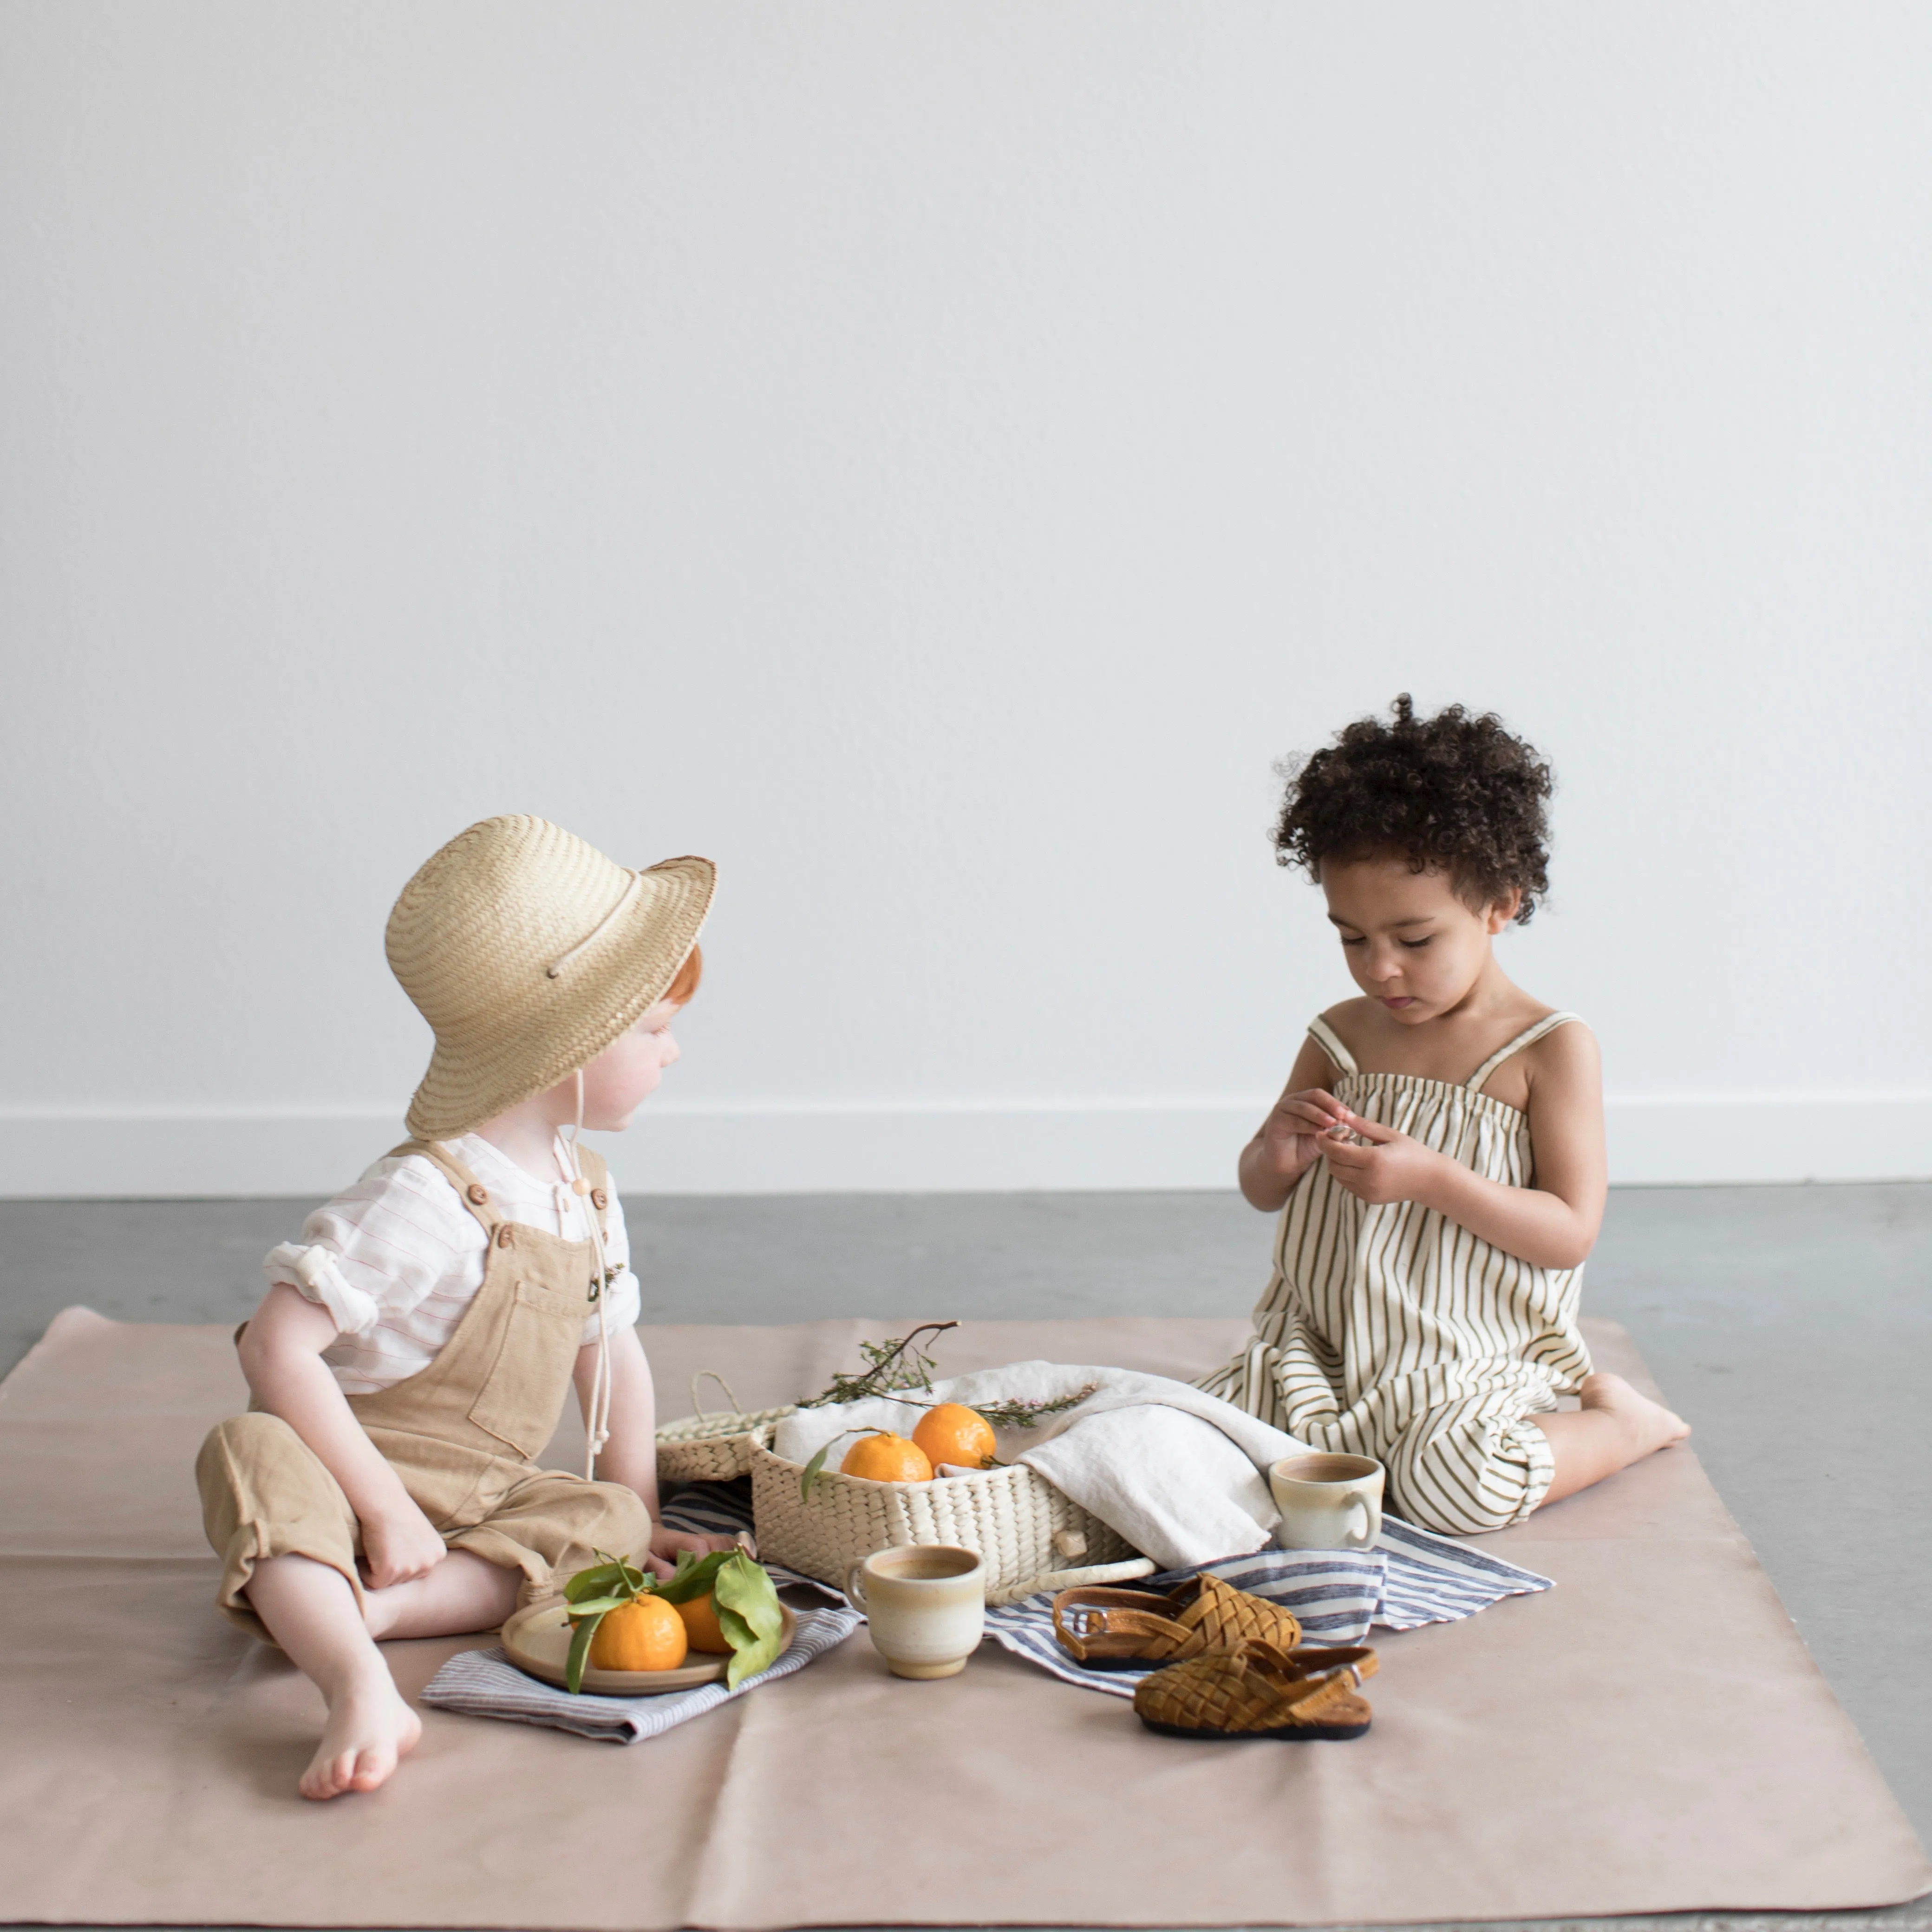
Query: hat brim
[556, 1025]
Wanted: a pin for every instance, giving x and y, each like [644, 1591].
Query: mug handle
[1359, 1502]
[855, 1588]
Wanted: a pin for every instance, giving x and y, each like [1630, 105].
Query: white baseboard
[1681, 1139]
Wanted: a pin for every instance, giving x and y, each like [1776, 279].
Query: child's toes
[371, 1768]
[328, 1777]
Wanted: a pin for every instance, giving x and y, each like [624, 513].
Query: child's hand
[1393, 1167]
[1292, 1134]
[665, 1544]
[400, 1545]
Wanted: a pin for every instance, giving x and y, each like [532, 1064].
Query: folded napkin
[1180, 1474]
[486, 1684]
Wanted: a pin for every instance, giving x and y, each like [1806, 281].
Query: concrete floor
[1792, 1326]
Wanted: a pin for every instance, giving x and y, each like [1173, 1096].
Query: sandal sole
[1288, 1733]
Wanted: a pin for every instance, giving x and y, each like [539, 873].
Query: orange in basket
[954, 1433]
[647, 1633]
[887, 1458]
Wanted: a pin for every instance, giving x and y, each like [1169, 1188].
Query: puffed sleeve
[623, 1299]
[380, 1247]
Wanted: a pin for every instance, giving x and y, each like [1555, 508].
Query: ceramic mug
[1327, 1502]
[925, 1604]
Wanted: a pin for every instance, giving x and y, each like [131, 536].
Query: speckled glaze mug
[1327, 1502]
[926, 1605]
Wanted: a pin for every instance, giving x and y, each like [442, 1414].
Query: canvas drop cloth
[1648, 1736]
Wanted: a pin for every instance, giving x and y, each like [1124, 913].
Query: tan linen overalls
[462, 1433]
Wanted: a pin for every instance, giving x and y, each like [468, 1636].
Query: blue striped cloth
[486, 1684]
[1411, 1577]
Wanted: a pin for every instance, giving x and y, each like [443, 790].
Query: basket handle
[1068, 1580]
[699, 1407]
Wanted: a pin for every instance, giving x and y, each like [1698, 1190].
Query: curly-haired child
[1437, 1156]
[413, 1355]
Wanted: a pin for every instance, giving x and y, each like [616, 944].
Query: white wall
[933, 459]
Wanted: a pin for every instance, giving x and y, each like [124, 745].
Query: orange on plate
[702, 1626]
[954, 1433]
[887, 1458]
[647, 1633]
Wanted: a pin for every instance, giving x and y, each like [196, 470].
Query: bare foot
[1649, 1424]
[370, 1729]
[1616, 1427]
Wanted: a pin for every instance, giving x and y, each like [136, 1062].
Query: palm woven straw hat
[528, 952]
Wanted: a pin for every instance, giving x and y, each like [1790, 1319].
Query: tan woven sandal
[1124, 1629]
[1259, 1692]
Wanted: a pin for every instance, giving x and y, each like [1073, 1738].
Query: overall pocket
[522, 1397]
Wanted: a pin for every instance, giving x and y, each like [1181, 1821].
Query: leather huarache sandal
[1259, 1692]
[1127, 1630]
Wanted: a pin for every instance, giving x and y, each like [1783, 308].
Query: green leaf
[808, 1476]
[579, 1652]
[750, 1615]
[597, 1582]
[695, 1578]
[595, 1607]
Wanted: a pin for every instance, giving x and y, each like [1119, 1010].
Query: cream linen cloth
[1182, 1475]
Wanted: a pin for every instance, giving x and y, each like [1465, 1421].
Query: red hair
[681, 989]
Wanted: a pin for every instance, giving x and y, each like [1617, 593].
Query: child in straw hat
[412, 1358]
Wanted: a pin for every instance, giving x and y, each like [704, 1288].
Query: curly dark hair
[1453, 791]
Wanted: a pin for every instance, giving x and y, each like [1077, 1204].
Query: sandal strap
[1305, 1695]
[1099, 1612]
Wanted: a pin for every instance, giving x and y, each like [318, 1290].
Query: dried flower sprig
[889, 1367]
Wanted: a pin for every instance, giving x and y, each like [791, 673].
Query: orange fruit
[647, 1633]
[887, 1458]
[702, 1626]
[954, 1433]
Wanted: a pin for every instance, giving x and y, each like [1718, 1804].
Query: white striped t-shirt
[397, 1259]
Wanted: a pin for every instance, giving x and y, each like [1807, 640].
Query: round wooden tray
[537, 1640]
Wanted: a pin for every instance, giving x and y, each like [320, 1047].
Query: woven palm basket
[714, 1447]
[1031, 1536]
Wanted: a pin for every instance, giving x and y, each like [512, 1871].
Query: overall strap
[1326, 1037]
[469, 1190]
[598, 1175]
[1527, 1037]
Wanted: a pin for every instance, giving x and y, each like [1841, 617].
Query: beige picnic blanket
[1649, 1736]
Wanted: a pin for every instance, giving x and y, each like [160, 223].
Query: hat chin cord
[597, 1410]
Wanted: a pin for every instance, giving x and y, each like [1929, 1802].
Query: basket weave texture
[713, 1448]
[1021, 1525]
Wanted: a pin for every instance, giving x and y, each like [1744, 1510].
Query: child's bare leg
[462, 1593]
[1616, 1427]
[312, 1613]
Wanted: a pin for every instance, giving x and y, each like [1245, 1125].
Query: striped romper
[1390, 1331]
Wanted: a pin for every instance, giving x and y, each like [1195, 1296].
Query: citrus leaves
[746, 1600]
[749, 1616]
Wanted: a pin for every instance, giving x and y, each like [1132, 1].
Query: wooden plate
[537, 1640]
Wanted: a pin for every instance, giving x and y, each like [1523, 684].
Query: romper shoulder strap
[1529, 1036]
[469, 1190]
[1329, 1041]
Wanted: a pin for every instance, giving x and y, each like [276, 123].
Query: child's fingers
[1339, 1154]
[1373, 1130]
[1312, 1103]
